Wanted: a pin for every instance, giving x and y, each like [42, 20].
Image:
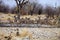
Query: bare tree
[0, 2]
[40, 9]
[57, 11]
[50, 11]
[3, 8]
[32, 8]
[20, 4]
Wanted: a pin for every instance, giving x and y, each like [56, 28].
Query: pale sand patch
[30, 33]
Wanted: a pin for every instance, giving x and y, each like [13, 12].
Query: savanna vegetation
[32, 9]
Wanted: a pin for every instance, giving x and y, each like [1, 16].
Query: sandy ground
[29, 33]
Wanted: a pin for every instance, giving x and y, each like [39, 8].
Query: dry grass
[5, 17]
[11, 16]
